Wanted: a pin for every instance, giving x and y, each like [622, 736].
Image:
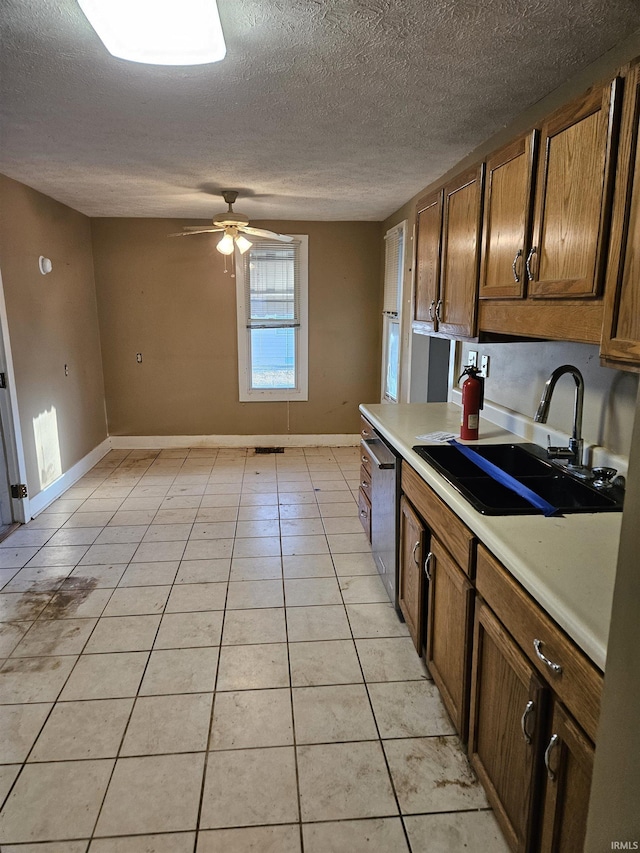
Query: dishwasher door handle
[382, 464]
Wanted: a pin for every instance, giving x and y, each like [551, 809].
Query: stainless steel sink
[528, 465]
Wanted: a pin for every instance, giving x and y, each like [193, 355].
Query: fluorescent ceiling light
[159, 32]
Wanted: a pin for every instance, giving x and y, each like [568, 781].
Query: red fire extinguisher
[472, 402]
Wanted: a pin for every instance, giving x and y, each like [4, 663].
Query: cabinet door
[427, 286]
[506, 727]
[572, 196]
[507, 219]
[411, 583]
[621, 326]
[569, 766]
[449, 633]
[457, 307]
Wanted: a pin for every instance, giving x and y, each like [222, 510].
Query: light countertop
[568, 564]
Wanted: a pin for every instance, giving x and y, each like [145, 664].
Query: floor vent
[269, 450]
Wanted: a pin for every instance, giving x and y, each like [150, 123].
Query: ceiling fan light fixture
[243, 244]
[158, 32]
[225, 246]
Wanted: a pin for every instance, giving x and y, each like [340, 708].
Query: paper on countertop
[436, 436]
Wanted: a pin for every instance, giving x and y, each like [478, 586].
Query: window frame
[301, 391]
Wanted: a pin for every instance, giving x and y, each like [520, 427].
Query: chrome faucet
[573, 453]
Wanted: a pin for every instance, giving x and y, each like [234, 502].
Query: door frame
[9, 416]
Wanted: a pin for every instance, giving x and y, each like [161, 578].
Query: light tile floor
[198, 656]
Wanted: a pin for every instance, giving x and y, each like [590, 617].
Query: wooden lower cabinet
[449, 626]
[411, 580]
[568, 768]
[507, 728]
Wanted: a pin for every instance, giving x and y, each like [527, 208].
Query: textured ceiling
[322, 109]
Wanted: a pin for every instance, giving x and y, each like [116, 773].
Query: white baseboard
[35, 505]
[166, 442]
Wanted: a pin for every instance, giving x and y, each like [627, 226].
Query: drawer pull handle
[530, 706]
[547, 757]
[527, 263]
[364, 513]
[365, 460]
[555, 668]
[427, 562]
[431, 307]
[514, 266]
[439, 310]
[364, 484]
[365, 433]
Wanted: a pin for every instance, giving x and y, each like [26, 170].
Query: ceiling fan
[234, 225]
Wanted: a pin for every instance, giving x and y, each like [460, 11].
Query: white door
[12, 465]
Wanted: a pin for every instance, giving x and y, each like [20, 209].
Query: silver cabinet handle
[431, 307]
[529, 708]
[555, 668]
[364, 484]
[547, 757]
[426, 566]
[514, 266]
[364, 513]
[413, 553]
[528, 262]
[439, 310]
[365, 459]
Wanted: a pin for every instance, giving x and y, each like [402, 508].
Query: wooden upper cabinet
[507, 219]
[456, 309]
[427, 286]
[621, 326]
[572, 196]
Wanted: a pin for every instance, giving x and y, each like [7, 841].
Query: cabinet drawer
[365, 460]
[579, 683]
[364, 510]
[365, 482]
[366, 430]
[444, 523]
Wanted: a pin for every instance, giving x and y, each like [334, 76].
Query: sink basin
[527, 464]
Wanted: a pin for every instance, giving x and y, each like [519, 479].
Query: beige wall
[52, 322]
[170, 300]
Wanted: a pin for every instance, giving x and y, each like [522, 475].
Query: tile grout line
[213, 706]
[133, 705]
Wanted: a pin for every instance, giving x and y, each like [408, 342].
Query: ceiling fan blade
[189, 231]
[261, 232]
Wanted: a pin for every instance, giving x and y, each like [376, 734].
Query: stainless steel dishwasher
[385, 497]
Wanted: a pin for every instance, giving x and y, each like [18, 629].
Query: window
[391, 311]
[273, 335]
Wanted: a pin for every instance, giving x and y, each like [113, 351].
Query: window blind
[272, 285]
[393, 268]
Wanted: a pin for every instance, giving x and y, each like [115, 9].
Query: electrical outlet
[472, 358]
[484, 366]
